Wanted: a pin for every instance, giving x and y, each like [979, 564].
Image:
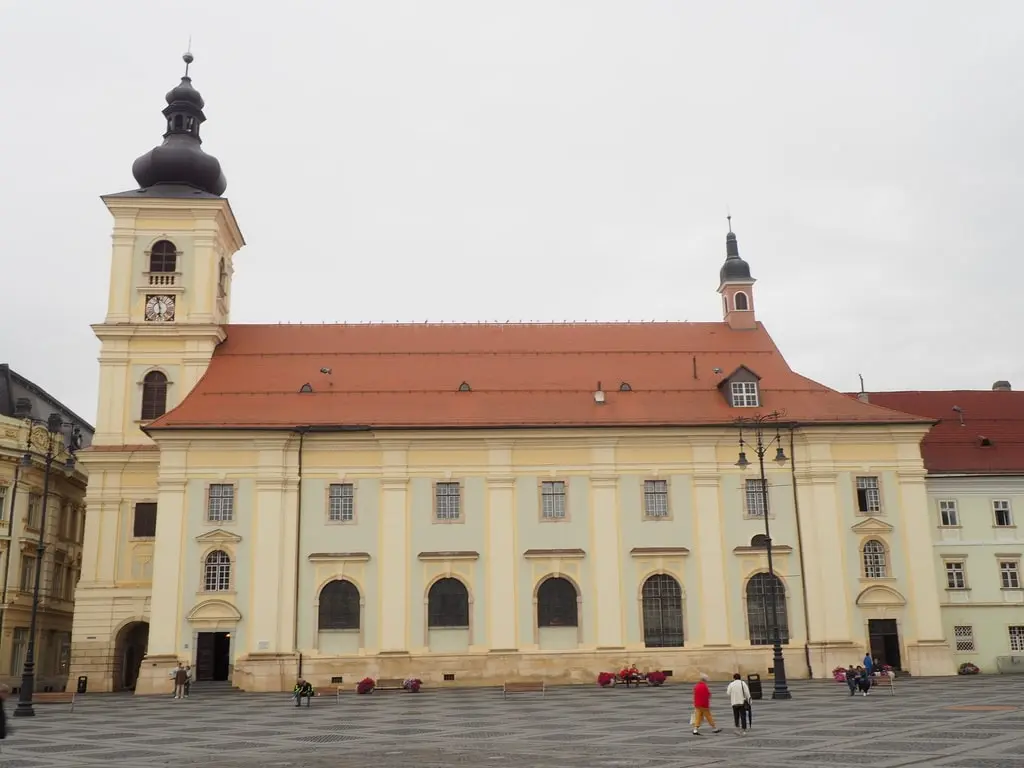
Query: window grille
[663, 612]
[756, 504]
[964, 636]
[956, 578]
[1017, 639]
[221, 504]
[948, 513]
[869, 498]
[447, 500]
[339, 606]
[744, 394]
[341, 503]
[761, 590]
[552, 495]
[1001, 512]
[218, 572]
[1009, 573]
[656, 498]
[448, 604]
[875, 566]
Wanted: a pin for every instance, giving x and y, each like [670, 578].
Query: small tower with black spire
[736, 286]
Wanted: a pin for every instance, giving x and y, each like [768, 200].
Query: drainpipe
[800, 550]
[298, 545]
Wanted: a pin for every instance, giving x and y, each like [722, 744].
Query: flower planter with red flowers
[366, 685]
[605, 679]
[839, 674]
[656, 678]
[412, 685]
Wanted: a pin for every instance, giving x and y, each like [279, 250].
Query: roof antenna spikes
[728, 216]
[861, 377]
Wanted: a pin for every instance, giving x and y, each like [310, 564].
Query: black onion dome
[181, 159]
[734, 268]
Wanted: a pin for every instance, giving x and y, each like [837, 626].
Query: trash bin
[83, 684]
[754, 684]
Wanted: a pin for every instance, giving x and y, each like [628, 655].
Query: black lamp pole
[758, 424]
[54, 428]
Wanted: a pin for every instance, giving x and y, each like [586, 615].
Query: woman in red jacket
[702, 706]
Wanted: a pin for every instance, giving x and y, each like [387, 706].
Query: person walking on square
[180, 678]
[702, 706]
[851, 680]
[188, 679]
[739, 697]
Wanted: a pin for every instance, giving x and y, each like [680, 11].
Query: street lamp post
[54, 428]
[757, 425]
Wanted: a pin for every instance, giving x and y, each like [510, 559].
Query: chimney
[863, 397]
[1002, 386]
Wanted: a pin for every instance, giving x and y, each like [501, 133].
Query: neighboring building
[466, 503]
[975, 461]
[21, 498]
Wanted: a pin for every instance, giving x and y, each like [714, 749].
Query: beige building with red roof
[975, 460]
[469, 503]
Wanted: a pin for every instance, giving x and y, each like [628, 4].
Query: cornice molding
[659, 552]
[432, 556]
[344, 557]
[554, 554]
[872, 525]
[219, 536]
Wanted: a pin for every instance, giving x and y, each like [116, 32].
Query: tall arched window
[761, 590]
[556, 603]
[875, 566]
[339, 606]
[448, 604]
[163, 257]
[740, 299]
[663, 612]
[154, 395]
[217, 577]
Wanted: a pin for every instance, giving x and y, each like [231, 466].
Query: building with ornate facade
[975, 460]
[23, 408]
[468, 503]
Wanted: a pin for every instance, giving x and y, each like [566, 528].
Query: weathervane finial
[187, 57]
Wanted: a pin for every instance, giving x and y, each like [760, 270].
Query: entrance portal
[213, 655]
[885, 642]
[130, 649]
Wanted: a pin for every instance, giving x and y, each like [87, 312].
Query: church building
[470, 503]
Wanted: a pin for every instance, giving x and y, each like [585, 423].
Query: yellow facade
[21, 495]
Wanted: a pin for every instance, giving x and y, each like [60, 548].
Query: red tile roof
[952, 448]
[521, 375]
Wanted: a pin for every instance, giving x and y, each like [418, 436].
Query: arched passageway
[132, 642]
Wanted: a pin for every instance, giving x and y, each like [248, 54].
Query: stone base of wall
[930, 659]
[95, 659]
[155, 675]
[277, 672]
[827, 656]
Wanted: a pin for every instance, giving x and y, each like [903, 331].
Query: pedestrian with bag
[739, 697]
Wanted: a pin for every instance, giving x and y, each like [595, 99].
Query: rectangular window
[948, 514]
[1001, 512]
[341, 503]
[964, 636]
[447, 501]
[28, 573]
[35, 508]
[955, 576]
[1009, 574]
[869, 499]
[3, 502]
[744, 394]
[1016, 639]
[221, 503]
[59, 582]
[552, 497]
[656, 498]
[756, 503]
[18, 646]
[145, 520]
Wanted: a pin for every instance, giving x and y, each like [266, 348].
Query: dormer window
[744, 394]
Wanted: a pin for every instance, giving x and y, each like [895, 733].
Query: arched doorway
[132, 642]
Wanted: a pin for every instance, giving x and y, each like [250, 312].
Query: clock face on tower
[159, 309]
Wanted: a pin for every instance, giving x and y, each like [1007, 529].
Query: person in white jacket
[739, 696]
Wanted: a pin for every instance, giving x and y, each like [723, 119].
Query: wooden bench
[884, 681]
[55, 697]
[523, 686]
[389, 684]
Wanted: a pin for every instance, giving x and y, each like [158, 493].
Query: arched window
[556, 604]
[154, 395]
[663, 612]
[875, 566]
[725, 304]
[163, 257]
[448, 604]
[339, 606]
[217, 577]
[762, 590]
[222, 279]
[741, 301]
[759, 542]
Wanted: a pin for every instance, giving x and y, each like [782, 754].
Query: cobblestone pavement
[958, 723]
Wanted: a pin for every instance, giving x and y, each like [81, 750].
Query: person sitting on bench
[303, 690]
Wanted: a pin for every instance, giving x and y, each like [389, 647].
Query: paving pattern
[957, 723]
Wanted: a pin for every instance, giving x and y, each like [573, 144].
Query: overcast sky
[543, 160]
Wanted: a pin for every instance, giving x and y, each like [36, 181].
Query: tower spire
[180, 161]
[736, 285]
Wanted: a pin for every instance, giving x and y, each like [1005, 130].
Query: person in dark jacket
[851, 679]
[864, 680]
[5, 691]
[303, 690]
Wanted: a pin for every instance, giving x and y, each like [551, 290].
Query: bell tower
[174, 242]
[736, 286]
